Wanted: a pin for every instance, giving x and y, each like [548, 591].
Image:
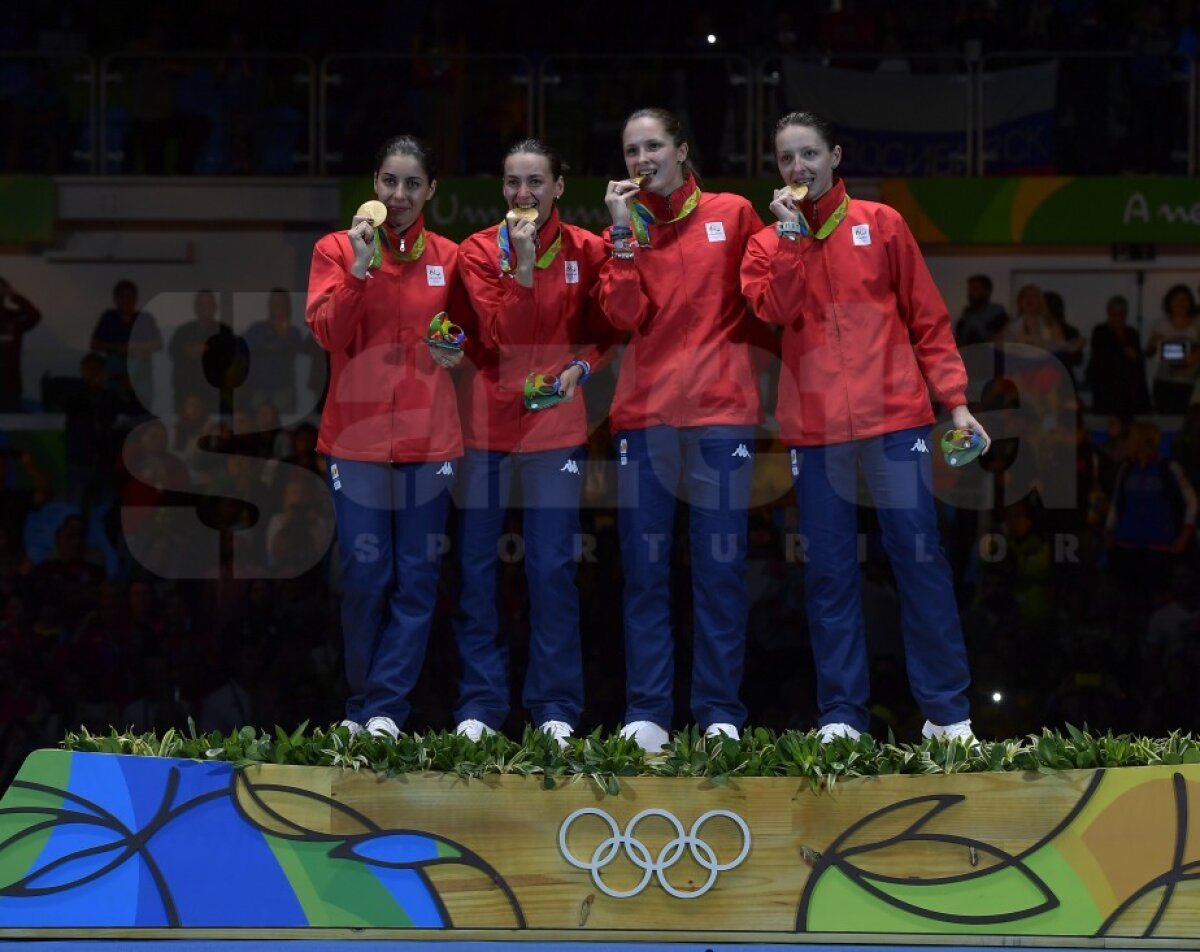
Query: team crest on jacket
[572, 271]
[862, 234]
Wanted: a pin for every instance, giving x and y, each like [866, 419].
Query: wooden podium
[114, 845]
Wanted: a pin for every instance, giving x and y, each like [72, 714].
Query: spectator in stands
[1175, 341]
[1116, 372]
[69, 578]
[1151, 522]
[235, 703]
[982, 320]
[18, 317]
[91, 438]
[1185, 448]
[198, 345]
[128, 337]
[1032, 323]
[1068, 343]
[1040, 378]
[1174, 628]
[274, 344]
[158, 702]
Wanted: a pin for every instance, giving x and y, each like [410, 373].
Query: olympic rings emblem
[639, 854]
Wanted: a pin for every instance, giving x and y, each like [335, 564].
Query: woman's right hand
[783, 205]
[617, 197]
[362, 241]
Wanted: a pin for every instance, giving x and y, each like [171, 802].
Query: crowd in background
[1077, 576]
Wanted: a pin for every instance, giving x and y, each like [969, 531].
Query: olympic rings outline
[638, 853]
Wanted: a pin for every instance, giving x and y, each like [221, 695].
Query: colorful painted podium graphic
[99, 841]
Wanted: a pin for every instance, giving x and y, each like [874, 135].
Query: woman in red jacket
[866, 335]
[389, 428]
[530, 280]
[683, 416]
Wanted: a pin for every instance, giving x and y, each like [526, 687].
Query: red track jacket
[515, 331]
[388, 401]
[691, 356]
[866, 333]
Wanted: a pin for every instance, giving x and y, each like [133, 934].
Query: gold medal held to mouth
[375, 210]
[638, 180]
[798, 192]
[522, 214]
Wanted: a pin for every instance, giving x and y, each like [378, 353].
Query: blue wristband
[582, 365]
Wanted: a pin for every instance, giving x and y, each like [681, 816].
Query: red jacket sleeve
[335, 296]
[620, 293]
[773, 277]
[501, 303]
[602, 335]
[923, 310]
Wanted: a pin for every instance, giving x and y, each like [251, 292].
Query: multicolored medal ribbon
[959, 447]
[542, 391]
[505, 243]
[830, 223]
[642, 218]
[443, 334]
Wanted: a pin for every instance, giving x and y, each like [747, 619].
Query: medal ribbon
[382, 238]
[505, 243]
[642, 218]
[831, 222]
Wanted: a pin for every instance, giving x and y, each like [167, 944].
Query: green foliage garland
[605, 760]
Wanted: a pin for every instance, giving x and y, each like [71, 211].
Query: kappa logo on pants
[919, 447]
[445, 470]
[570, 466]
[741, 451]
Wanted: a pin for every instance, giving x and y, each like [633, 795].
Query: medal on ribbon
[642, 218]
[443, 334]
[542, 391]
[959, 447]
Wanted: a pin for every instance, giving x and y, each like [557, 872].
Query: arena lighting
[997, 697]
[712, 38]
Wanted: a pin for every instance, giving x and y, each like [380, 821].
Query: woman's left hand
[964, 421]
[568, 380]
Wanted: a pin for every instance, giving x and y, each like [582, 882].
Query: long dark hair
[672, 127]
[537, 147]
[408, 145]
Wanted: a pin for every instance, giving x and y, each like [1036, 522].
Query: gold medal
[522, 214]
[375, 210]
[798, 192]
[638, 180]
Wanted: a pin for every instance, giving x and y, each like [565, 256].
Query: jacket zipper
[837, 329]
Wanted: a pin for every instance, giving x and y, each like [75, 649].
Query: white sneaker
[649, 736]
[381, 726]
[559, 730]
[959, 730]
[474, 730]
[722, 730]
[353, 727]
[827, 732]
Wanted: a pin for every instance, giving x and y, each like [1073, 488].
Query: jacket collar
[547, 231]
[409, 236]
[818, 212]
[664, 209]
